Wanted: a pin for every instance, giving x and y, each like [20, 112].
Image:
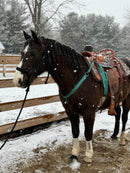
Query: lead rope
[27, 90]
[47, 77]
[48, 64]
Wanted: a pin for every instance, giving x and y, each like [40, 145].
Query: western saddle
[114, 69]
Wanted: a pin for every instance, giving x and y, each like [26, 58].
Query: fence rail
[9, 59]
[32, 122]
[8, 64]
[4, 83]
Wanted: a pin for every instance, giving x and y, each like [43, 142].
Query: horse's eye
[29, 54]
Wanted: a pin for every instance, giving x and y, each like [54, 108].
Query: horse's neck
[66, 75]
[62, 75]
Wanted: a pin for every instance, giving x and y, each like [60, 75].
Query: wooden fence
[9, 61]
[8, 64]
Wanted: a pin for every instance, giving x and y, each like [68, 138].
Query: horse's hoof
[114, 137]
[73, 157]
[123, 144]
[88, 161]
[123, 147]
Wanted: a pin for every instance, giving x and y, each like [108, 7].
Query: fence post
[4, 70]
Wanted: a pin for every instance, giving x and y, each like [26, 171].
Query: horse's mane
[71, 56]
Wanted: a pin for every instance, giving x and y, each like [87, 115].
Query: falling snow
[74, 71]
[80, 104]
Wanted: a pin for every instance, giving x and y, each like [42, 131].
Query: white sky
[116, 8]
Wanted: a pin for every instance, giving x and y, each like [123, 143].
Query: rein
[27, 90]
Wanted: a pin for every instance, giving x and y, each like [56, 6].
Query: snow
[1, 46]
[14, 93]
[19, 150]
[74, 71]
[74, 165]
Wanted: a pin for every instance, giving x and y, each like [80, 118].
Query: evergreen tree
[124, 49]
[13, 23]
[2, 20]
[72, 31]
[102, 32]
[99, 31]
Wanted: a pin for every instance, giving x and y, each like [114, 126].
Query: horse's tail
[126, 61]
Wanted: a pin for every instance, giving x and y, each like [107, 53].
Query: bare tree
[47, 10]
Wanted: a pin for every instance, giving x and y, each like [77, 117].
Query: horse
[125, 110]
[68, 68]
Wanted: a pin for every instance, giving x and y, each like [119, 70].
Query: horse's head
[32, 61]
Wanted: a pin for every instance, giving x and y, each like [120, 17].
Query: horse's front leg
[89, 118]
[74, 119]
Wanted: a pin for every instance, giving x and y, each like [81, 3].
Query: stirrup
[111, 110]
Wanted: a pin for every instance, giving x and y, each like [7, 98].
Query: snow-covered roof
[1, 46]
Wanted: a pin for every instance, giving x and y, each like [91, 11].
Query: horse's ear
[35, 37]
[26, 36]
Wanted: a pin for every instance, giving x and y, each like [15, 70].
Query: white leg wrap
[123, 138]
[89, 151]
[76, 148]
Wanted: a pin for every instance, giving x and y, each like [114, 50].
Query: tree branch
[28, 4]
[59, 6]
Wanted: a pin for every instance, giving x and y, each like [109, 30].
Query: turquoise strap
[79, 83]
[104, 79]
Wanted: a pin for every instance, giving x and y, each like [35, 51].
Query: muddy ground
[109, 157]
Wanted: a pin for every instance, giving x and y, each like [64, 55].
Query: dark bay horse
[125, 111]
[67, 67]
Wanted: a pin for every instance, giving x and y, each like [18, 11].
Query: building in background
[1, 48]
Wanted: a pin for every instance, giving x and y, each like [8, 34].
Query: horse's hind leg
[124, 121]
[89, 118]
[117, 122]
[74, 119]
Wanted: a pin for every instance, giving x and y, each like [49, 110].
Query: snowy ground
[20, 150]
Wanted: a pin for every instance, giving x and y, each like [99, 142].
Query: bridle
[22, 70]
[45, 58]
